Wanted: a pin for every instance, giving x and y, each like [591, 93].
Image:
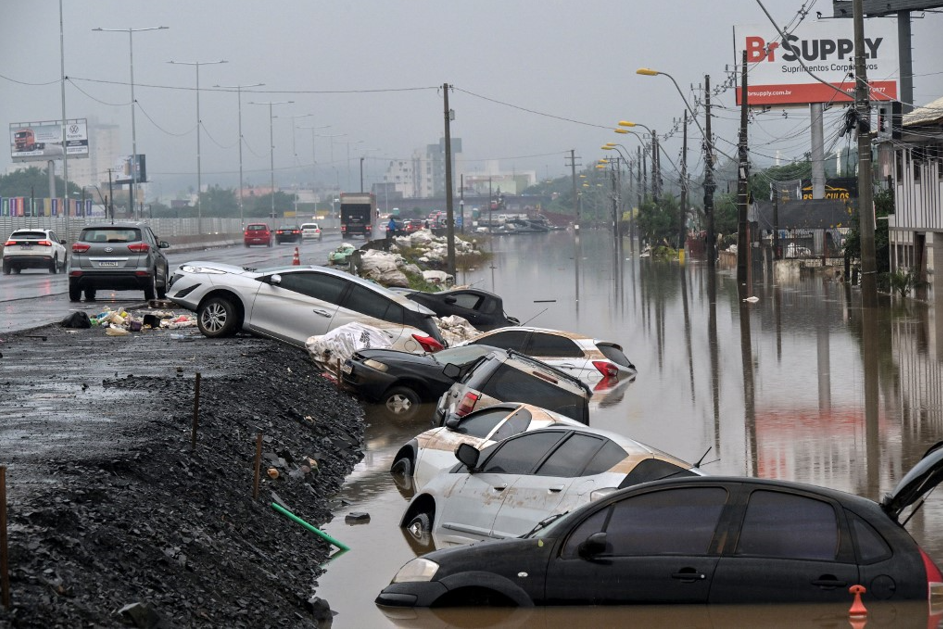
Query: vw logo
[109, 249]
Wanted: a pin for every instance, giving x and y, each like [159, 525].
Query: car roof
[536, 411]
[630, 445]
[576, 336]
[134, 225]
[512, 355]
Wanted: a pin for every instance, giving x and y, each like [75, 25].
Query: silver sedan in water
[293, 303]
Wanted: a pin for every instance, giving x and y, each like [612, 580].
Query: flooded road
[799, 385]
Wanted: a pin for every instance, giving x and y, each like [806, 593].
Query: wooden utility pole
[743, 183]
[682, 223]
[709, 176]
[576, 199]
[449, 210]
[865, 191]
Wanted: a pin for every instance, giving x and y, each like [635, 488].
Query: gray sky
[532, 79]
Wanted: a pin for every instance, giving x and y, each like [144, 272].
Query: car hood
[920, 480]
[393, 356]
[219, 266]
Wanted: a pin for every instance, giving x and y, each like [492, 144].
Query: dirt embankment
[109, 507]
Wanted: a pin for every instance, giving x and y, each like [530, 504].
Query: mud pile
[116, 520]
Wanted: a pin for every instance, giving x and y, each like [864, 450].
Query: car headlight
[375, 364]
[187, 268]
[418, 570]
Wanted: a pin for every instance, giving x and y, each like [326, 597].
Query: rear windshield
[255, 228]
[513, 385]
[111, 234]
[28, 236]
[613, 353]
[309, 226]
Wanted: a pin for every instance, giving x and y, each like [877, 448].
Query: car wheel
[401, 403]
[6, 268]
[246, 244]
[217, 317]
[402, 466]
[89, 294]
[162, 290]
[75, 293]
[150, 291]
[54, 265]
[420, 529]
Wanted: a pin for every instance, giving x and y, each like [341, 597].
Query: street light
[238, 88]
[650, 72]
[363, 157]
[271, 135]
[348, 160]
[199, 172]
[134, 140]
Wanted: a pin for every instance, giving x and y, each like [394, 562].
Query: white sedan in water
[294, 303]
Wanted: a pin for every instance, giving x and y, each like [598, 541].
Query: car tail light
[80, 247]
[44, 243]
[934, 581]
[139, 247]
[607, 369]
[428, 343]
[343, 229]
[9, 243]
[467, 404]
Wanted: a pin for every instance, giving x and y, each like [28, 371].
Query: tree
[261, 206]
[34, 181]
[658, 221]
[883, 206]
[218, 201]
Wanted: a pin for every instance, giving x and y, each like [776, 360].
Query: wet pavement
[799, 385]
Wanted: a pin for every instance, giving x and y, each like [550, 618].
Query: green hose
[313, 529]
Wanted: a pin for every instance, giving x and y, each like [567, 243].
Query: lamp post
[363, 157]
[314, 155]
[134, 139]
[348, 160]
[199, 172]
[238, 88]
[271, 135]
[650, 72]
[656, 156]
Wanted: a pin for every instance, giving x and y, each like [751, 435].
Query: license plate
[107, 264]
[347, 368]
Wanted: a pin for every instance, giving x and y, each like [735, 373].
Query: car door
[294, 305]
[535, 496]
[466, 305]
[362, 305]
[790, 548]
[473, 503]
[561, 352]
[659, 547]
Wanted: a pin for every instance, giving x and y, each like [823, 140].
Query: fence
[177, 231]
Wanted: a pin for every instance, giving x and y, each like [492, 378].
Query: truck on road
[358, 210]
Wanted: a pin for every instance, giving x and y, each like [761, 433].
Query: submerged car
[707, 540]
[34, 249]
[506, 489]
[293, 303]
[434, 450]
[118, 256]
[341, 255]
[507, 376]
[597, 363]
[401, 382]
[484, 310]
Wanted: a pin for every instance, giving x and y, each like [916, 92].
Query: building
[423, 175]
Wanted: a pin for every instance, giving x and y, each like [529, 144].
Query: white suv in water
[33, 249]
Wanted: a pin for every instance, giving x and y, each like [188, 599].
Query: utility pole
[743, 188]
[709, 176]
[656, 168]
[111, 198]
[576, 202]
[682, 227]
[865, 191]
[449, 211]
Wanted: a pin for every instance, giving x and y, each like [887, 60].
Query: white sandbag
[380, 267]
[455, 329]
[340, 343]
[439, 278]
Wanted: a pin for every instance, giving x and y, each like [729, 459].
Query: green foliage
[261, 206]
[902, 281]
[726, 214]
[34, 182]
[883, 206]
[218, 201]
[658, 222]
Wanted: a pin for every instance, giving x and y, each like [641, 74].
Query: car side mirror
[452, 371]
[449, 300]
[468, 455]
[593, 545]
[163, 244]
[62, 242]
[275, 280]
[453, 421]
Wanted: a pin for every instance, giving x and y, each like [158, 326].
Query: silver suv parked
[508, 376]
[119, 256]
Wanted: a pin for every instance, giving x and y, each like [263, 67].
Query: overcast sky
[533, 79]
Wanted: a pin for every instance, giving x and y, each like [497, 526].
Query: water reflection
[801, 385]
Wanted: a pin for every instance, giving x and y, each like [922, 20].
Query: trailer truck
[358, 211]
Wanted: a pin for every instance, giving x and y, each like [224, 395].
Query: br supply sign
[780, 69]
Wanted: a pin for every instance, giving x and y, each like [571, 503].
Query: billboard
[42, 141]
[775, 75]
[125, 167]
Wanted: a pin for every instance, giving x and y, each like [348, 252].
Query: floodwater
[801, 384]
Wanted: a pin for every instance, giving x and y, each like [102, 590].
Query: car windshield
[28, 236]
[460, 355]
[110, 234]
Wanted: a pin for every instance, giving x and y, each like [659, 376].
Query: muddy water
[799, 385]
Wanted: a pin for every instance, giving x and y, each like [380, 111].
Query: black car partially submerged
[401, 382]
[484, 310]
[695, 540]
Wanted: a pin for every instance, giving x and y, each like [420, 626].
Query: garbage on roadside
[122, 323]
[341, 342]
[383, 268]
[455, 329]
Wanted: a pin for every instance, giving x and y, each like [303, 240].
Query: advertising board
[775, 72]
[125, 167]
[42, 141]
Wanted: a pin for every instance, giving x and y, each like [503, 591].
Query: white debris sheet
[455, 329]
[340, 343]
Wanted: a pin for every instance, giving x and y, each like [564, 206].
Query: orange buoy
[858, 609]
[296, 260]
